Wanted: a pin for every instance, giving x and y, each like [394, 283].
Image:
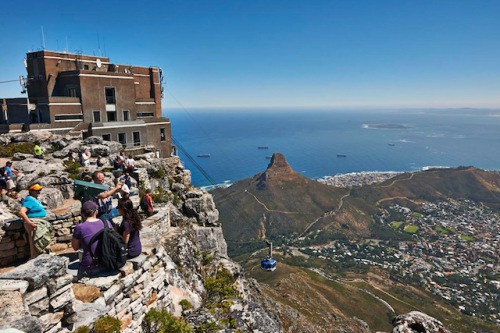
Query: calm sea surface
[371, 140]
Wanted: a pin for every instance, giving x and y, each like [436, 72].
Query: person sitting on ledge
[81, 239]
[130, 227]
[31, 212]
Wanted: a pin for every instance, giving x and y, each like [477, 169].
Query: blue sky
[228, 53]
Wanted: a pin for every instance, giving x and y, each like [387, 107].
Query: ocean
[312, 140]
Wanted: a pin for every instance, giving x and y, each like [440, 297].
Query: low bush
[10, 149]
[107, 324]
[161, 321]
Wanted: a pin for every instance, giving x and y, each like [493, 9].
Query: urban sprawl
[453, 251]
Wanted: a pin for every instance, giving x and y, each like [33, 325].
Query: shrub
[107, 324]
[206, 258]
[210, 327]
[10, 149]
[185, 304]
[161, 321]
[83, 329]
[220, 288]
[73, 169]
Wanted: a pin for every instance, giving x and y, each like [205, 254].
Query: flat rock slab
[38, 271]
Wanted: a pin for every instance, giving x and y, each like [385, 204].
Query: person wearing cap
[82, 236]
[9, 173]
[130, 227]
[32, 210]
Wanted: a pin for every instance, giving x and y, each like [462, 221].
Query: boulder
[417, 322]
[12, 307]
[39, 270]
[113, 147]
[93, 140]
[200, 205]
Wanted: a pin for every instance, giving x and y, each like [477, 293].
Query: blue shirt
[35, 208]
[8, 171]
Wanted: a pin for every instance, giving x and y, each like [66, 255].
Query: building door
[137, 138]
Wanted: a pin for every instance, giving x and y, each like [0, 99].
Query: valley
[425, 241]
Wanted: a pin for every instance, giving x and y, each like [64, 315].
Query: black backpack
[111, 251]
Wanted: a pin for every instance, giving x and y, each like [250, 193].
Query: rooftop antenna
[43, 39]
[99, 45]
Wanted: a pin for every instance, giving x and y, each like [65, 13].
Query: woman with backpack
[84, 232]
[32, 212]
[130, 227]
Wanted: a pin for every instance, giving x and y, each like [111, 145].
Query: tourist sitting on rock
[130, 227]
[32, 212]
[86, 175]
[146, 203]
[82, 236]
[126, 179]
[118, 164]
[104, 199]
[130, 164]
[38, 150]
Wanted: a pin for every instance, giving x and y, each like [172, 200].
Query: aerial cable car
[268, 263]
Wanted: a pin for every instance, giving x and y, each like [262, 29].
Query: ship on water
[203, 155]
[341, 155]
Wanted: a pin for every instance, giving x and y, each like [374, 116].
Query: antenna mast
[43, 39]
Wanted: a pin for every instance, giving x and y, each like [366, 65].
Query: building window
[110, 95]
[125, 115]
[122, 138]
[106, 137]
[72, 92]
[86, 67]
[145, 114]
[97, 116]
[70, 117]
[111, 115]
[137, 138]
[162, 134]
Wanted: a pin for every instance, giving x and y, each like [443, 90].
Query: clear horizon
[281, 54]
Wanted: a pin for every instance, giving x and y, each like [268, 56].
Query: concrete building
[84, 96]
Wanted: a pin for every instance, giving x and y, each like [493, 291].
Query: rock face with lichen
[184, 267]
[183, 245]
[417, 322]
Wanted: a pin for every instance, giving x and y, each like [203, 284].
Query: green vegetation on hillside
[411, 229]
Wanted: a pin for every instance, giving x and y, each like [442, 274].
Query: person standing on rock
[31, 212]
[86, 158]
[9, 173]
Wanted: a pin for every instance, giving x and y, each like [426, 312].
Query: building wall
[68, 88]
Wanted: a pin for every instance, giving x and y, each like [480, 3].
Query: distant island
[386, 126]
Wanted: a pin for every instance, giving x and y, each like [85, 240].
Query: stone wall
[40, 296]
[13, 239]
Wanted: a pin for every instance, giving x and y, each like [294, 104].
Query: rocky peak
[279, 169]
